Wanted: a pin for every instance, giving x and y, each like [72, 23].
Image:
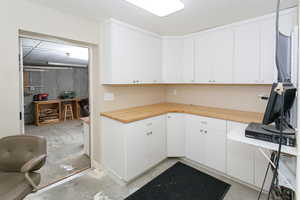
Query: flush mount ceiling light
[159, 7]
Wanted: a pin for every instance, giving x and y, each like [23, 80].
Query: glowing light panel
[159, 7]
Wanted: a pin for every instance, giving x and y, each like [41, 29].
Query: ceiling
[197, 15]
[38, 52]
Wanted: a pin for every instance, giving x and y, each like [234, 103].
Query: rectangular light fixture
[159, 7]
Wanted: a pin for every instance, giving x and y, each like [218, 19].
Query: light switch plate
[109, 96]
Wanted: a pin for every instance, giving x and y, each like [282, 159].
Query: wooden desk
[51, 111]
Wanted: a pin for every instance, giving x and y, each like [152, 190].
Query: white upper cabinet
[178, 60]
[203, 58]
[239, 53]
[172, 60]
[268, 38]
[214, 56]
[222, 70]
[130, 55]
[247, 53]
[188, 60]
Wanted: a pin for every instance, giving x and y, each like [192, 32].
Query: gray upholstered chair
[20, 157]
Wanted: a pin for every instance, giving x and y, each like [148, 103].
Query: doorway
[55, 103]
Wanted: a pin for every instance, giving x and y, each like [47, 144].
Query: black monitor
[274, 107]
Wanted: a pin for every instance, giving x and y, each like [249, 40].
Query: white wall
[20, 14]
[236, 97]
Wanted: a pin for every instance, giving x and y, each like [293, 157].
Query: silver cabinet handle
[149, 124]
[203, 122]
[149, 133]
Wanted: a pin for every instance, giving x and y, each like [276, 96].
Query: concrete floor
[87, 186]
[65, 150]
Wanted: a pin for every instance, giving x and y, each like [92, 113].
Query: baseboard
[96, 165]
[114, 176]
[210, 170]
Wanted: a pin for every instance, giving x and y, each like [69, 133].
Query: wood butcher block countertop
[144, 112]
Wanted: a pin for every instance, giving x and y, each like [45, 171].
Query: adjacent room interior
[56, 104]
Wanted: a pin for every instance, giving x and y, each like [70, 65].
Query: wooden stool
[68, 112]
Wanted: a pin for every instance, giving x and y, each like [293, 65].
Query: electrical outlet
[109, 96]
[174, 92]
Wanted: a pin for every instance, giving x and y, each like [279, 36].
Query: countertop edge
[172, 110]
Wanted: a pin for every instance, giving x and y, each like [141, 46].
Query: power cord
[275, 175]
[263, 184]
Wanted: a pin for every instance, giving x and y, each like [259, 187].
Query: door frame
[21, 86]
[90, 47]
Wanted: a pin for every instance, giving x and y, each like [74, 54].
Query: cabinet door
[137, 160]
[150, 57]
[261, 165]
[135, 55]
[203, 58]
[195, 144]
[247, 53]
[176, 135]
[240, 157]
[240, 161]
[125, 61]
[223, 44]
[188, 60]
[216, 157]
[172, 63]
[157, 140]
[268, 40]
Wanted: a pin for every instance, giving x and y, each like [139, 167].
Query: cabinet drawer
[147, 124]
[216, 124]
[235, 126]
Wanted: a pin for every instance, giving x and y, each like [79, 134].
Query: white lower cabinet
[145, 145]
[176, 135]
[195, 149]
[240, 161]
[246, 162]
[216, 159]
[131, 149]
[260, 168]
[136, 150]
[206, 141]
[157, 140]
[240, 157]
